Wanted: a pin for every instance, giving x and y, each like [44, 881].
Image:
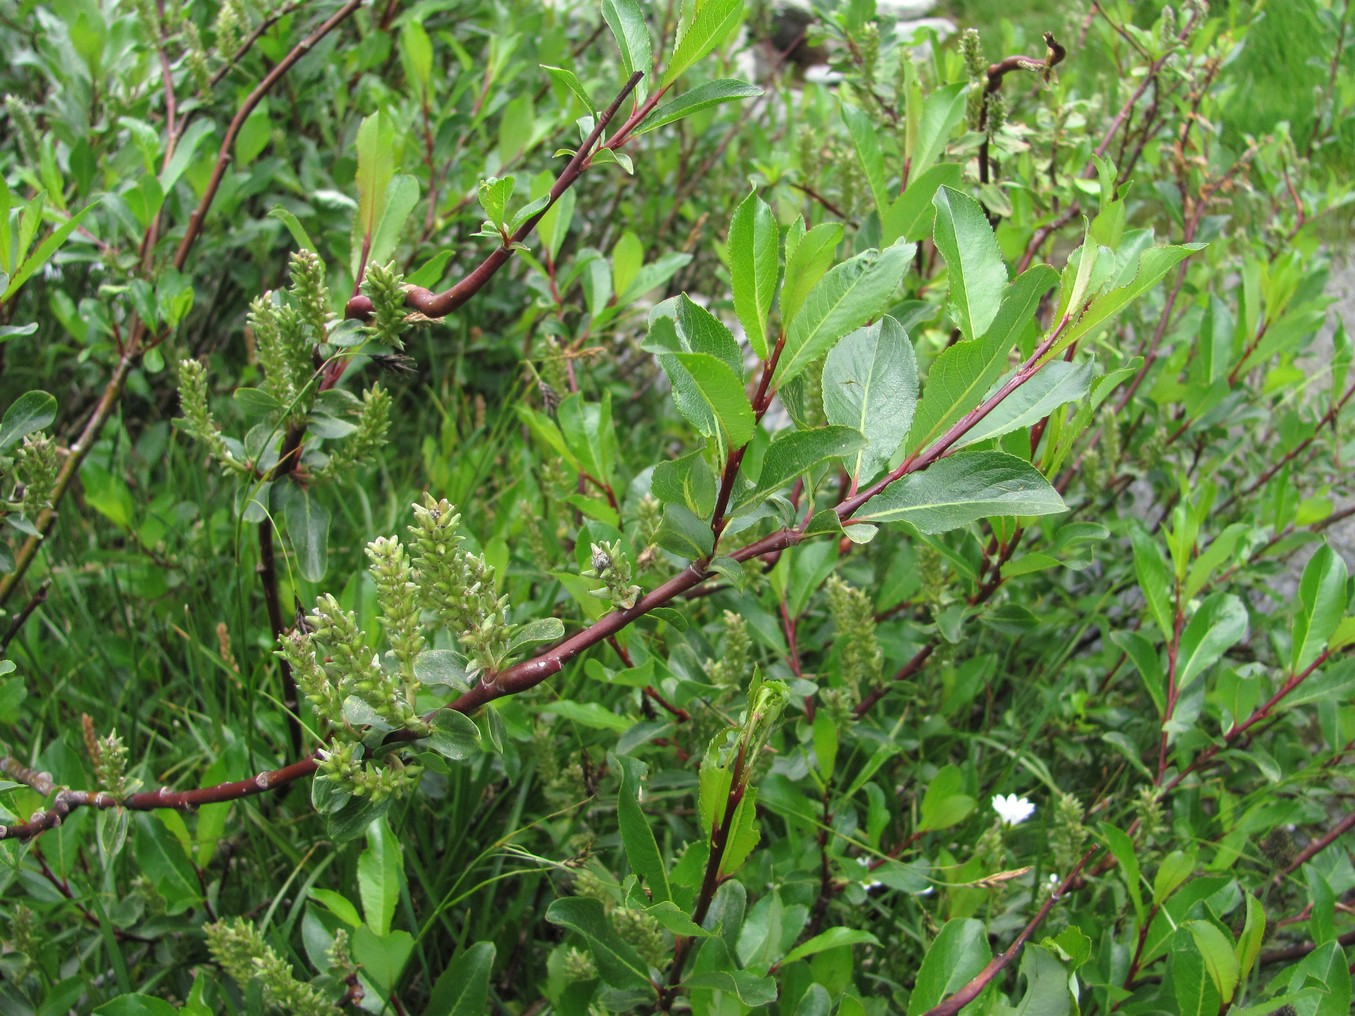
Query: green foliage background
[772, 792]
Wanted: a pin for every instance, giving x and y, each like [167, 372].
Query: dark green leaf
[642, 851]
[463, 988]
[307, 522]
[380, 876]
[618, 963]
[845, 298]
[687, 481]
[870, 384]
[959, 952]
[1218, 625]
[1322, 605]
[962, 489]
[795, 452]
[29, 413]
[977, 273]
[1053, 385]
[626, 19]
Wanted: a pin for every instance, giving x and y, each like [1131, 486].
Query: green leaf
[376, 166]
[1053, 385]
[1154, 263]
[402, 194]
[382, 957]
[1191, 986]
[463, 988]
[1155, 581]
[684, 534]
[862, 129]
[944, 803]
[977, 273]
[1047, 984]
[941, 112]
[710, 396]
[806, 261]
[1122, 848]
[338, 905]
[1322, 602]
[911, 215]
[626, 19]
[441, 666]
[416, 53]
[961, 375]
[754, 264]
[870, 384]
[687, 481]
[454, 735]
[571, 81]
[45, 250]
[703, 96]
[29, 413]
[589, 714]
[136, 1005]
[539, 632]
[1218, 625]
[833, 938]
[962, 489]
[794, 452]
[300, 237]
[1217, 951]
[847, 297]
[711, 25]
[618, 963]
[749, 988]
[161, 857]
[642, 851]
[307, 522]
[959, 952]
[380, 876]
[1248, 946]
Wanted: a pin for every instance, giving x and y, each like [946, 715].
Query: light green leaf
[687, 481]
[962, 489]
[862, 129]
[944, 803]
[807, 258]
[45, 250]
[1154, 263]
[941, 112]
[1155, 581]
[754, 265]
[402, 194]
[911, 215]
[833, 938]
[626, 19]
[380, 876]
[1217, 951]
[870, 384]
[711, 25]
[703, 96]
[846, 297]
[376, 166]
[1322, 603]
[977, 273]
[571, 81]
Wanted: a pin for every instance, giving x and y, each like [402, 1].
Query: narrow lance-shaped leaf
[977, 273]
[753, 266]
[626, 19]
[703, 96]
[1218, 625]
[642, 851]
[710, 26]
[376, 166]
[962, 489]
[847, 297]
[1322, 604]
[870, 384]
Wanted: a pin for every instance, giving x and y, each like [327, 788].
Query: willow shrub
[502, 520]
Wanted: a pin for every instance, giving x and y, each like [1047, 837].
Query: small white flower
[1012, 810]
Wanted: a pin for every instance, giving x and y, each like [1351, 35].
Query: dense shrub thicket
[529, 508]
